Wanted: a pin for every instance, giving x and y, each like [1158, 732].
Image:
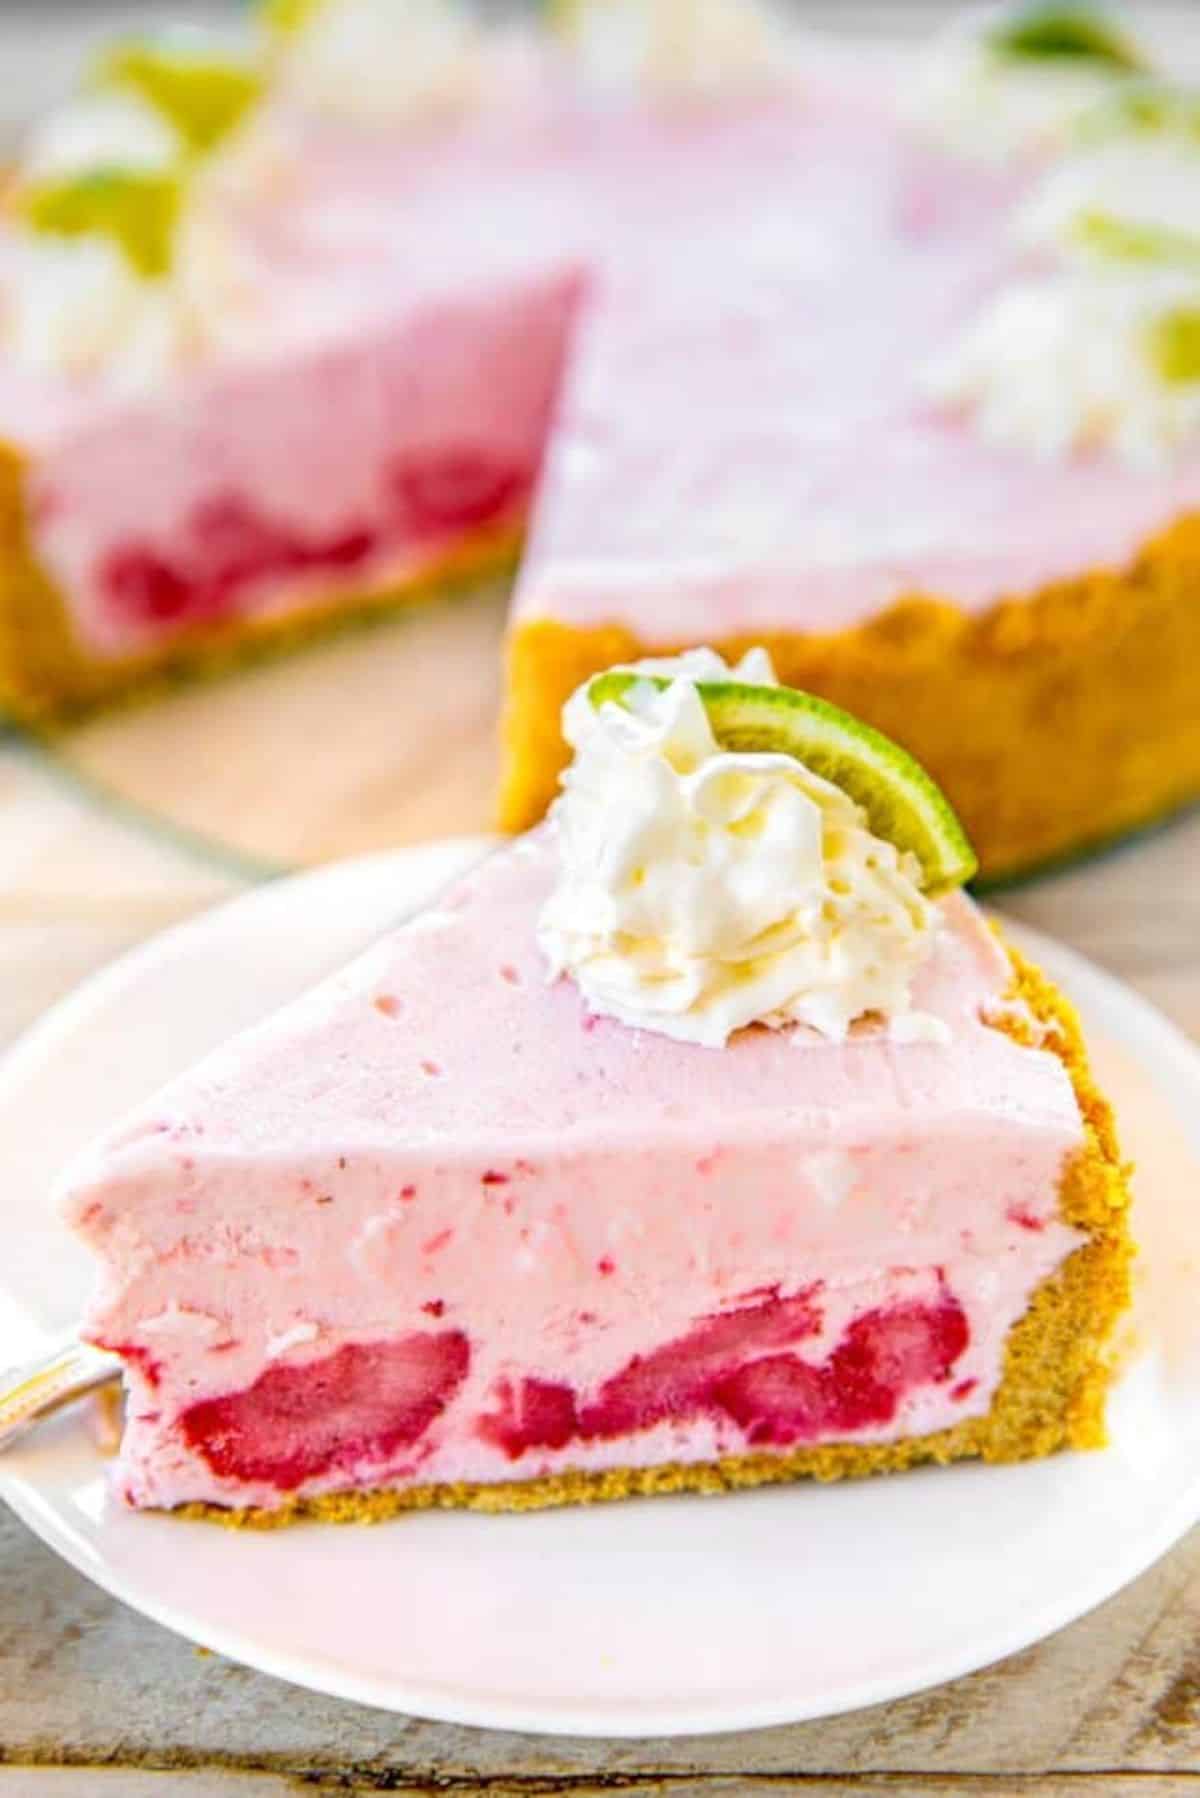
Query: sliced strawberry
[145, 588]
[231, 542]
[720, 1369]
[883, 1356]
[357, 1406]
[533, 1414]
[342, 550]
[676, 1380]
[454, 488]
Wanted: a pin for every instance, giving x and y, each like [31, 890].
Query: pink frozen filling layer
[739, 1367]
[369, 1401]
[360, 464]
[434, 1223]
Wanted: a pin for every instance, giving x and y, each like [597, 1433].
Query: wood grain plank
[66, 1782]
[131, 1782]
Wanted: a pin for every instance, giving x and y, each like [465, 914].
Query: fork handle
[42, 1386]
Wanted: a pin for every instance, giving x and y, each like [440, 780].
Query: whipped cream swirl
[1140, 189]
[1098, 349]
[77, 307]
[100, 130]
[703, 890]
[1073, 361]
[380, 61]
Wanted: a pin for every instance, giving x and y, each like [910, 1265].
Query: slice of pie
[690, 1143]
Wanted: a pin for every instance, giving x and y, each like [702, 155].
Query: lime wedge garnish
[903, 805]
[203, 94]
[1065, 33]
[1128, 241]
[135, 208]
[1175, 345]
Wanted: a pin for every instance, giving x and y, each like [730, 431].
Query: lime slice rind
[902, 803]
[1064, 32]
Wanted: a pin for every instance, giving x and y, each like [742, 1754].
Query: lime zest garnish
[902, 803]
[1065, 33]
[202, 94]
[1175, 345]
[1128, 241]
[137, 209]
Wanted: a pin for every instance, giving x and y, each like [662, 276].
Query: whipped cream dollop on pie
[703, 890]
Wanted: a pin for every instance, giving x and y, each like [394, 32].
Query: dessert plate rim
[54, 1481]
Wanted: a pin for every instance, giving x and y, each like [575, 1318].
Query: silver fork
[44, 1385]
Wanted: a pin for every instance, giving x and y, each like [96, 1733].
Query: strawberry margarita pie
[886, 360]
[705, 1136]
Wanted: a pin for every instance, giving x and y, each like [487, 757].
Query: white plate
[674, 1615]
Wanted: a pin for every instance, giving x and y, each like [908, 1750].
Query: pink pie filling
[363, 462]
[367, 1401]
[432, 1223]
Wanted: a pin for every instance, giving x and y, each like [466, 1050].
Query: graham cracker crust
[1055, 721]
[1057, 1368]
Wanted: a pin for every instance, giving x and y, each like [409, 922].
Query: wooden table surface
[94, 1699]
